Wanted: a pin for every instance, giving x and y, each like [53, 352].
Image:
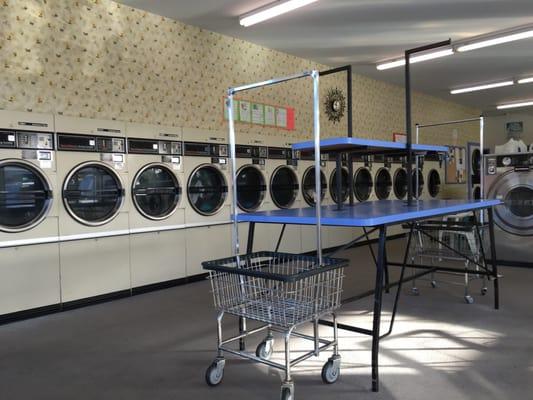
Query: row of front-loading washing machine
[91, 208]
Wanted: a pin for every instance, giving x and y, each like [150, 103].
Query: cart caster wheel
[265, 349]
[287, 392]
[415, 291]
[215, 372]
[469, 299]
[484, 291]
[331, 371]
[433, 284]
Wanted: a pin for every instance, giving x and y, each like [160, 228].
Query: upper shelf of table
[366, 146]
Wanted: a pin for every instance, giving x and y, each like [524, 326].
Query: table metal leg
[493, 259]
[249, 249]
[378, 294]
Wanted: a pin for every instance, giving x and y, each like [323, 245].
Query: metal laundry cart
[282, 291]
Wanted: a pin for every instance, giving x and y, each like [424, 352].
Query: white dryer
[434, 175]
[93, 219]
[308, 193]
[29, 197]
[207, 211]
[157, 215]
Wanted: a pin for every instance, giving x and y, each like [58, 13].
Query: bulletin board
[250, 112]
[456, 165]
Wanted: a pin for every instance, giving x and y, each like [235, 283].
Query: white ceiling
[361, 32]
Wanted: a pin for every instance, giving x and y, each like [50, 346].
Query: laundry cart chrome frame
[283, 291]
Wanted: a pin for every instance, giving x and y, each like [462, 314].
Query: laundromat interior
[266, 199]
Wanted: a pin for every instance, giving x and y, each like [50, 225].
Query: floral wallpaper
[101, 59]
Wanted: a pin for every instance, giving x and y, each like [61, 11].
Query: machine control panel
[205, 149]
[12, 139]
[151, 146]
[522, 161]
[89, 143]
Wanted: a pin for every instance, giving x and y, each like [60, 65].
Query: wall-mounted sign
[514, 129]
[248, 112]
[399, 137]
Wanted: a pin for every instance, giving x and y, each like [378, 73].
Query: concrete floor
[158, 345]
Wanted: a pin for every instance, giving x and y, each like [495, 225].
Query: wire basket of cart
[457, 238]
[283, 291]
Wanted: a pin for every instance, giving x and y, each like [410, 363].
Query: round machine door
[417, 193]
[515, 189]
[251, 188]
[433, 183]
[156, 191]
[400, 184]
[477, 193]
[207, 189]
[284, 187]
[362, 184]
[25, 196]
[476, 162]
[383, 184]
[308, 186]
[345, 185]
[93, 193]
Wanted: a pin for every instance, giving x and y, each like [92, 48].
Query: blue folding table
[377, 216]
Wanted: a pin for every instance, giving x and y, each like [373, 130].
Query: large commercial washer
[509, 177]
[93, 218]
[29, 197]
[157, 214]
[207, 211]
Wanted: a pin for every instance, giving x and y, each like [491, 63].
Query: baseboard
[31, 313]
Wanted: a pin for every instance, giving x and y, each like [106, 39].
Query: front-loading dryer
[363, 180]
[93, 218]
[207, 211]
[157, 214]
[434, 173]
[29, 197]
[399, 178]
[309, 193]
[509, 178]
[383, 184]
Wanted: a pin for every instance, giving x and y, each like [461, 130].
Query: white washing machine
[383, 178]
[29, 197]
[308, 193]
[399, 178]
[338, 236]
[207, 211]
[363, 179]
[157, 215]
[509, 178]
[93, 219]
[473, 165]
[434, 174]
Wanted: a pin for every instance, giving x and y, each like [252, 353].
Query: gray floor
[157, 346]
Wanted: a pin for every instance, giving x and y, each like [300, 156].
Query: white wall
[495, 133]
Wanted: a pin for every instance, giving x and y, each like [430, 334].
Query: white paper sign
[281, 117]
[245, 111]
[270, 115]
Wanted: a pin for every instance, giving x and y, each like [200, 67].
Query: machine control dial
[506, 161]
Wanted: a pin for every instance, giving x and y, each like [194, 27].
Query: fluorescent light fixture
[414, 59]
[525, 80]
[505, 38]
[482, 87]
[272, 10]
[515, 105]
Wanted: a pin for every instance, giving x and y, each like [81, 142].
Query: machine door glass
[93, 194]
[515, 189]
[400, 184]
[25, 196]
[433, 183]
[251, 188]
[362, 184]
[308, 186]
[417, 192]
[207, 190]
[156, 191]
[284, 187]
[383, 184]
[345, 185]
